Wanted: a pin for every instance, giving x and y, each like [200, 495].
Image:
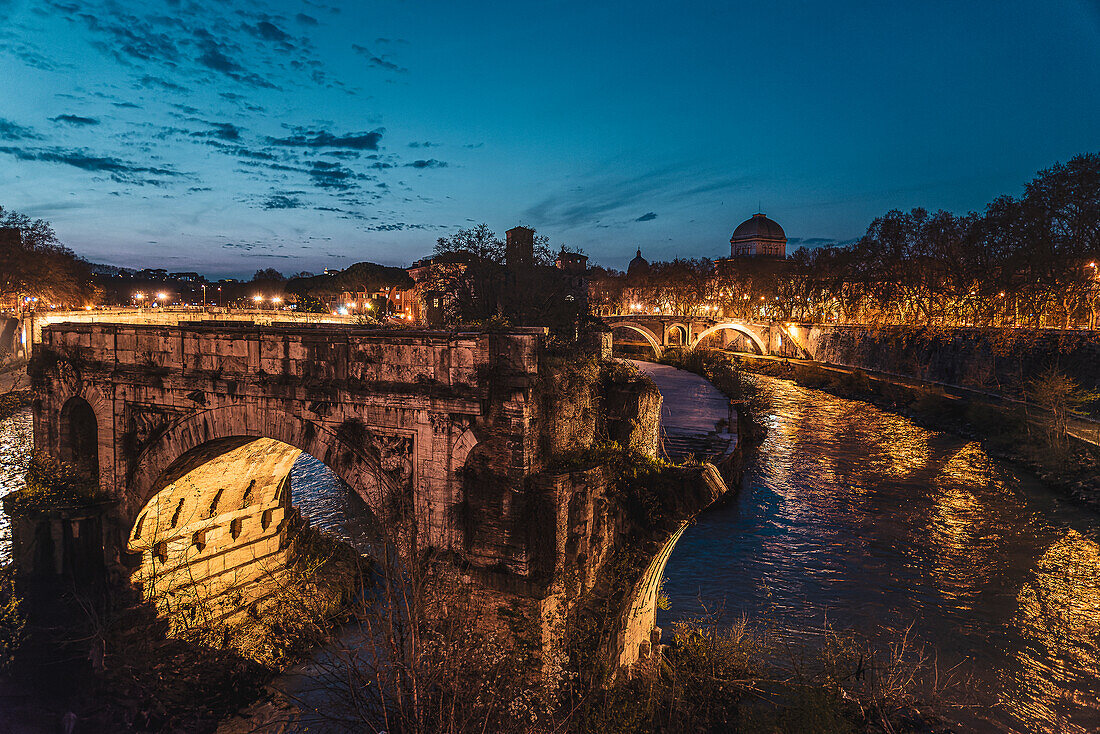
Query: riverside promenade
[694, 415]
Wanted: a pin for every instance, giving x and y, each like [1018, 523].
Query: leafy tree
[268, 275]
[34, 264]
[1062, 397]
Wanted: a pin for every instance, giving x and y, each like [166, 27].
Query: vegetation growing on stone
[52, 484]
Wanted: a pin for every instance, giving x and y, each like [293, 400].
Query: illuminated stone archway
[760, 345]
[637, 328]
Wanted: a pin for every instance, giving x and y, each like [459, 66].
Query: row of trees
[1027, 261]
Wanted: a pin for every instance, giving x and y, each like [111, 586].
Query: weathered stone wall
[394, 414]
[33, 323]
[1000, 360]
[632, 405]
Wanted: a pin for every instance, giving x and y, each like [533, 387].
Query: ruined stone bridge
[663, 331]
[190, 430]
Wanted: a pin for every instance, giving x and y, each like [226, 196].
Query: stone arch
[761, 346]
[683, 330]
[346, 455]
[649, 335]
[78, 436]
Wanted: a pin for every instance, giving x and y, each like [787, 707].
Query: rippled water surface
[862, 518]
[15, 451]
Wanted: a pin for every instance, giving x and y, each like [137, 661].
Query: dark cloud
[221, 131]
[379, 62]
[305, 19]
[268, 31]
[127, 105]
[282, 201]
[333, 176]
[155, 81]
[647, 217]
[430, 163]
[323, 139]
[213, 57]
[11, 131]
[118, 169]
[75, 120]
[423, 145]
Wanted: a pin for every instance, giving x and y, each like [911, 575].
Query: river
[860, 517]
[857, 516]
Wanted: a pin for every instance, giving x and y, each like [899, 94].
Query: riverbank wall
[1000, 361]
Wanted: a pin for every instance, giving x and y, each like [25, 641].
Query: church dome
[638, 266]
[758, 227]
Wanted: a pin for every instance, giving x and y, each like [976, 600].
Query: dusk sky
[230, 136]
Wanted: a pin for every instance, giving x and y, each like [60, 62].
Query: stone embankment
[998, 360]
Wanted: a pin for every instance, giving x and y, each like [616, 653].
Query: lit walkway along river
[857, 515]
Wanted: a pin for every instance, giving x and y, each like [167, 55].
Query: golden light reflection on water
[903, 445]
[871, 511]
[964, 535]
[1057, 684]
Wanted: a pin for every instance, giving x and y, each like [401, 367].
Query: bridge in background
[662, 332]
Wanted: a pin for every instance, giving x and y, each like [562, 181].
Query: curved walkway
[690, 414]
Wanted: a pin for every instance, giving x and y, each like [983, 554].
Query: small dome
[758, 227]
[638, 266]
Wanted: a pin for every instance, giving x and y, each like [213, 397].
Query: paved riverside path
[690, 413]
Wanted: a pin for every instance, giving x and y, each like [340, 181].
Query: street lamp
[204, 296]
[257, 300]
[161, 297]
[139, 297]
[275, 301]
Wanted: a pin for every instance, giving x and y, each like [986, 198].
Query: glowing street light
[257, 300]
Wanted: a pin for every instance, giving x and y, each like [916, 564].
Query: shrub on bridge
[52, 484]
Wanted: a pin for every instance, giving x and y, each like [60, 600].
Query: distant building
[519, 247]
[758, 236]
[638, 267]
[188, 277]
[571, 262]
[425, 303]
[153, 274]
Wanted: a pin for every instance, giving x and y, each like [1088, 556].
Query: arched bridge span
[657, 330]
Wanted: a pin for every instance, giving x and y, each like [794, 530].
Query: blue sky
[228, 136]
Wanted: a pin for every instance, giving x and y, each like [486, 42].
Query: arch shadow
[757, 342]
[649, 335]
